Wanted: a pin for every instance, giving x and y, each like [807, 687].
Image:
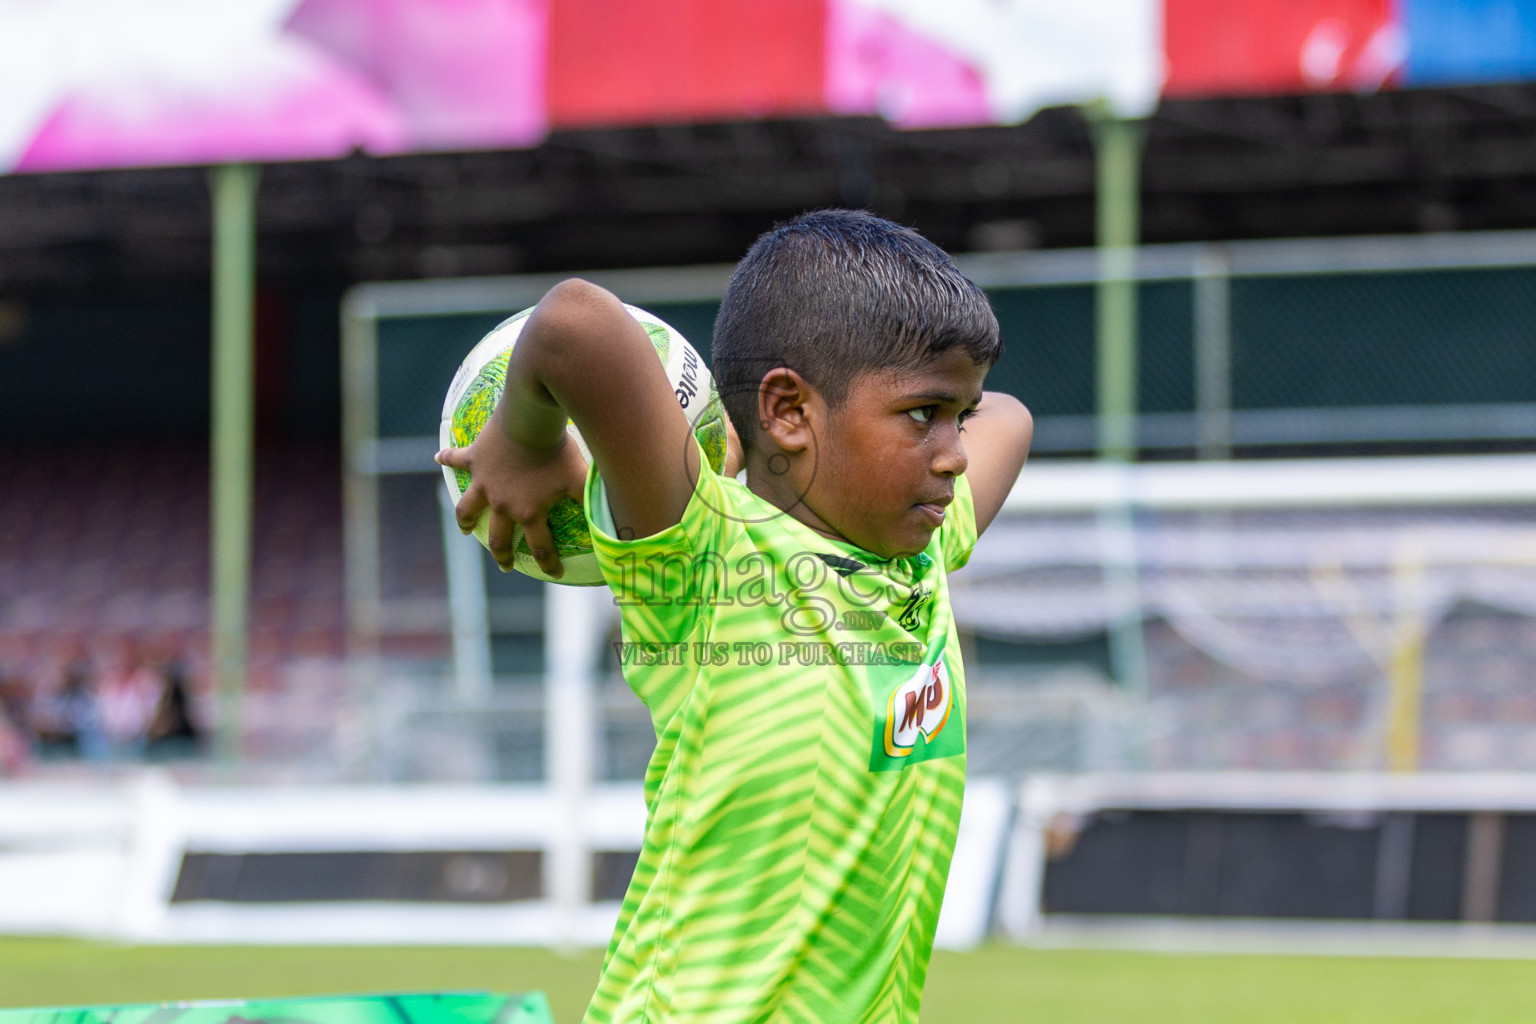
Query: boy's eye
[922, 415]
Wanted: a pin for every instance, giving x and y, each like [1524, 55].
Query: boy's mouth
[934, 510]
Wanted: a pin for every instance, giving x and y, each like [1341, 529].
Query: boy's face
[886, 465]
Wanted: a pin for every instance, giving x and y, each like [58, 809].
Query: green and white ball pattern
[478, 385]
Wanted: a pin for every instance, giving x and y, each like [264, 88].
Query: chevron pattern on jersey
[792, 870]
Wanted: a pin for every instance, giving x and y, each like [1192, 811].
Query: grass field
[994, 984]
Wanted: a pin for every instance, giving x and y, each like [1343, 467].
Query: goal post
[1307, 570]
[1416, 339]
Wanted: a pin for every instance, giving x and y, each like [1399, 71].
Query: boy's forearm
[582, 356]
[1000, 434]
[527, 411]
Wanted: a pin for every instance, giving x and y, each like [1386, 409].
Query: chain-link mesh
[1269, 634]
[1297, 342]
[1386, 338]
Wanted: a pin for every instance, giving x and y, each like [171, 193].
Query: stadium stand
[128, 580]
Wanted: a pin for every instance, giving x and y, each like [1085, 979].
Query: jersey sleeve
[958, 534]
[663, 583]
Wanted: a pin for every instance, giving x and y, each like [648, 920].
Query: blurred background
[1254, 639]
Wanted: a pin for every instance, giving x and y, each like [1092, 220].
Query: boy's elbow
[1018, 410]
[1026, 424]
[569, 303]
[1015, 413]
[571, 318]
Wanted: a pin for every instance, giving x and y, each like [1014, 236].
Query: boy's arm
[583, 356]
[997, 437]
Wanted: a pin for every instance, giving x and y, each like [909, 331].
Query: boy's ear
[782, 397]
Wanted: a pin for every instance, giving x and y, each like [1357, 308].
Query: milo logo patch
[917, 715]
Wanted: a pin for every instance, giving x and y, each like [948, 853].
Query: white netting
[1286, 595]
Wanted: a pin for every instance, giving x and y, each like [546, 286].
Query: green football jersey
[804, 795]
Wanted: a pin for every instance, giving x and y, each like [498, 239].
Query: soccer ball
[477, 387]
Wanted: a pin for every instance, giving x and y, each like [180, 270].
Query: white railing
[102, 859]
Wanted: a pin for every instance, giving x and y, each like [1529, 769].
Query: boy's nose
[951, 458]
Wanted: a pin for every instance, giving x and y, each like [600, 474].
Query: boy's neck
[786, 488]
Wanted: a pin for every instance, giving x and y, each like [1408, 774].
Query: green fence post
[1117, 152]
[231, 446]
[1117, 215]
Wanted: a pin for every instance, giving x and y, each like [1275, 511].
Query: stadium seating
[117, 561]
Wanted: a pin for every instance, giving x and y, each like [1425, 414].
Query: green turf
[1003, 984]
[994, 984]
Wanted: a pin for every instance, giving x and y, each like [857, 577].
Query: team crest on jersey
[916, 715]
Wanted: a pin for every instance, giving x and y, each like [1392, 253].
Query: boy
[803, 673]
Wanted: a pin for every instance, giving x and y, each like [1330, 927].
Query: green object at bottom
[410, 1008]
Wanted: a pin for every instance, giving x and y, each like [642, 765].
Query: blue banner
[1466, 42]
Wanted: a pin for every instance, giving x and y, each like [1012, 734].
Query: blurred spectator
[172, 733]
[127, 696]
[62, 715]
[131, 710]
[15, 700]
[15, 750]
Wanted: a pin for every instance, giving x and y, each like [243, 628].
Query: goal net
[1338, 613]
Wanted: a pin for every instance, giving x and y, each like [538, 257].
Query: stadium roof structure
[495, 136]
[1307, 165]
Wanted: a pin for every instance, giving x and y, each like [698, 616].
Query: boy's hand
[519, 486]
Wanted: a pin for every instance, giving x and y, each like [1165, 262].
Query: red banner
[1238, 47]
[636, 61]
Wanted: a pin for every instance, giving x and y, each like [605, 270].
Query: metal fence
[1243, 347]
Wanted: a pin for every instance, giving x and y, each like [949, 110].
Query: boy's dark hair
[837, 293]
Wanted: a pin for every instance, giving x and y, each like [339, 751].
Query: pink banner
[115, 83]
[876, 64]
